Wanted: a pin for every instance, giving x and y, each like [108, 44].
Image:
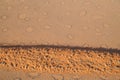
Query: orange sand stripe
[59, 60]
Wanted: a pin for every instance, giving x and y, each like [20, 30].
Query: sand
[87, 23]
[60, 59]
[93, 23]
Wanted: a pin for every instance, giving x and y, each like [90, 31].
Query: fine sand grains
[59, 60]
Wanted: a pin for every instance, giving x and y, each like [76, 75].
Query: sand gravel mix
[60, 59]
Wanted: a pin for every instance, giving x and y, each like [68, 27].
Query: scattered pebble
[106, 25]
[83, 13]
[26, 7]
[4, 17]
[22, 16]
[62, 2]
[70, 36]
[17, 79]
[9, 8]
[39, 20]
[98, 33]
[97, 30]
[33, 75]
[29, 29]
[85, 28]
[45, 13]
[68, 26]
[47, 27]
[67, 13]
[33, 42]
[5, 30]
[57, 77]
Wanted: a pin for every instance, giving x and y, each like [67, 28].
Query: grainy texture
[59, 60]
[94, 23]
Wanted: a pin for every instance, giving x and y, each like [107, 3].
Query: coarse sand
[63, 60]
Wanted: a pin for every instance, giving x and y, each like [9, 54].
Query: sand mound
[59, 60]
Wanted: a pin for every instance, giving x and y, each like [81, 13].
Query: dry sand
[86, 23]
[61, 60]
[91, 23]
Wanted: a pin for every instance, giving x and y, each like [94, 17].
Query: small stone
[75, 77]
[22, 16]
[67, 13]
[17, 79]
[68, 26]
[4, 30]
[45, 13]
[106, 25]
[70, 36]
[97, 30]
[26, 19]
[57, 77]
[104, 45]
[4, 17]
[85, 28]
[85, 45]
[33, 75]
[26, 7]
[98, 33]
[83, 12]
[47, 2]
[33, 42]
[29, 29]
[39, 20]
[9, 8]
[62, 2]
[47, 27]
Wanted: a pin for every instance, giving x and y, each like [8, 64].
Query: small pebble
[33, 75]
[83, 13]
[4, 30]
[4, 17]
[17, 79]
[68, 26]
[22, 16]
[70, 37]
[9, 8]
[29, 29]
[47, 27]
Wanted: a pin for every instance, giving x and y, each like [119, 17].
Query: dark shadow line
[99, 49]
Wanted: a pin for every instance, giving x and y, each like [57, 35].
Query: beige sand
[91, 23]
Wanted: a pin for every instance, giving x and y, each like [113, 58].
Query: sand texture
[29, 29]
[60, 60]
[93, 23]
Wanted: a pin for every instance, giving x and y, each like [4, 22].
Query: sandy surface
[19, 75]
[62, 60]
[91, 23]
[87, 23]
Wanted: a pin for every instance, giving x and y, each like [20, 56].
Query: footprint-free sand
[60, 59]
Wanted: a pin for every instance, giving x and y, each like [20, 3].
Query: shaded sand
[60, 60]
